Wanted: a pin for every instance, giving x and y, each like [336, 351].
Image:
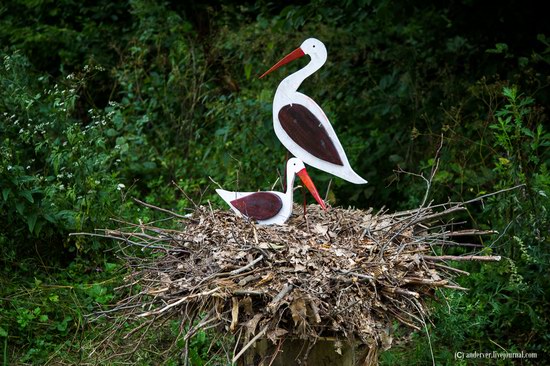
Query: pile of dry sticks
[342, 273]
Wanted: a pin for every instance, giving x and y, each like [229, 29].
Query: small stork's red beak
[297, 53]
[311, 187]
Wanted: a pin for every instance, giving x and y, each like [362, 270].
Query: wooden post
[295, 352]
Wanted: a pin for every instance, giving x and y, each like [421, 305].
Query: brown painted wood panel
[259, 206]
[308, 132]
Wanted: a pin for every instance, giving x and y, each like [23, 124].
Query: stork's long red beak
[297, 53]
[311, 187]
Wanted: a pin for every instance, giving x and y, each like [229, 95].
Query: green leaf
[50, 218]
[523, 61]
[500, 48]
[111, 132]
[23, 179]
[527, 132]
[247, 71]
[149, 165]
[27, 195]
[20, 207]
[3, 332]
[6, 193]
[38, 227]
[54, 298]
[110, 266]
[62, 326]
[31, 221]
[510, 93]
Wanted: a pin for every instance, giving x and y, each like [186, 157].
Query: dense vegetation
[103, 101]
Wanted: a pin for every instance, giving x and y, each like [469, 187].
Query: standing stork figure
[271, 207]
[301, 125]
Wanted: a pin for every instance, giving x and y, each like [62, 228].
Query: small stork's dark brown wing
[259, 206]
[308, 132]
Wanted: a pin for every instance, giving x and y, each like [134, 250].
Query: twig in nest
[439, 214]
[314, 309]
[160, 209]
[328, 189]
[216, 183]
[252, 341]
[358, 275]
[126, 240]
[209, 318]
[248, 266]
[451, 269]
[183, 299]
[274, 356]
[238, 340]
[234, 314]
[471, 232]
[425, 281]
[480, 258]
[248, 293]
[185, 195]
[408, 323]
[397, 290]
[454, 287]
[286, 289]
[454, 203]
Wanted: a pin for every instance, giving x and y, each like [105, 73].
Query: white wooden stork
[271, 207]
[301, 125]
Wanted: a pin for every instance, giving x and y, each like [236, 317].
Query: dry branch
[176, 303]
[480, 258]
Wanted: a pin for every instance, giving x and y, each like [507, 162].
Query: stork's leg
[305, 210]
[304, 196]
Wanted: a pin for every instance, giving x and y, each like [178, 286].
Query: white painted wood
[287, 93]
[293, 166]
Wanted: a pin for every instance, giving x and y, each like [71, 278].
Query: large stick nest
[344, 272]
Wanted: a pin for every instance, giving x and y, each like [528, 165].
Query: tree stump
[325, 352]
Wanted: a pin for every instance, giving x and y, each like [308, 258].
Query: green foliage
[203, 348]
[521, 145]
[56, 175]
[41, 318]
[524, 218]
[509, 297]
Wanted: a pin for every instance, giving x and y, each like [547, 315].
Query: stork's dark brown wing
[259, 206]
[308, 132]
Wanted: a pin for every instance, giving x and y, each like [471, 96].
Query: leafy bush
[56, 175]
[45, 317]
[507, 298]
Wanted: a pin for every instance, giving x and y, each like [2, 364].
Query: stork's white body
[280, 218]
[294, 166]
[287, 94]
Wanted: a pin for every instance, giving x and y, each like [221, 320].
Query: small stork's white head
[315, 49]
[296, 166]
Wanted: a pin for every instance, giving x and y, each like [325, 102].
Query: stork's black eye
[313, 46]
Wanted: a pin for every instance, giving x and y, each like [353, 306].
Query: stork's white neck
[290, 178]
[291, 83]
